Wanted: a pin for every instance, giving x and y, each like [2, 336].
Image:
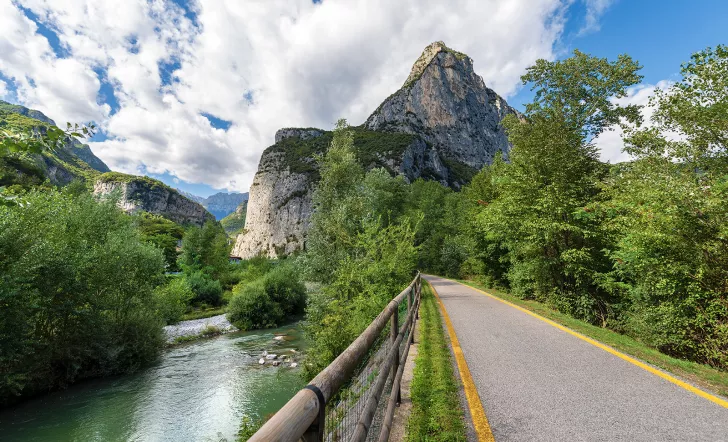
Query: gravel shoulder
[195, 327]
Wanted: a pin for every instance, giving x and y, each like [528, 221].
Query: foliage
[118, 177]
[436, 413]
[248, 270]
[248, 427]
[554, 253]
[163, 233]
[205, 249]
[580, 92]
[207, 291]
[76, 289]
[667, 216]
[172, 299]
[371, 148]
[20, 133]
[637, 247]
[29, 144]
[360, 248]
[268, 301]
[20, 171]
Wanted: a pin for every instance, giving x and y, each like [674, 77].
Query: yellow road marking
[723, 403]
[477, 413]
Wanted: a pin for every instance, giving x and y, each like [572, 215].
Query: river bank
[187, 330]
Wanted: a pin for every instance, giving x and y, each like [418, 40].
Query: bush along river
[198, 391]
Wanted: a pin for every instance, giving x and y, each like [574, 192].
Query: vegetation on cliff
[118, 177]
[372, 149]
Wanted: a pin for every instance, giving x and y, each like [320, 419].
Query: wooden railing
[303, 417]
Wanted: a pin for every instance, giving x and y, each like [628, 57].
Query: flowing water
[197, 392]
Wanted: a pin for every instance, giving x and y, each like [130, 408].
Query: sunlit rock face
[444, 124]
[278, 211]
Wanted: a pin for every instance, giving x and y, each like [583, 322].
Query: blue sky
[191, 91]
[659, 34]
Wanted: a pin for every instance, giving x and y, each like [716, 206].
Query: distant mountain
[220, 204]
[193, 197]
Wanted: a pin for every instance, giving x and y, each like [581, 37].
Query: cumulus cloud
[610, 143]
[260, 65]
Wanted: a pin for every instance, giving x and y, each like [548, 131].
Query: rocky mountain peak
[444, 124]
[447, 104]
[141, 193]
[427, 56]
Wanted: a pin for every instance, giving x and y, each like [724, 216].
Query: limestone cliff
[443, 125]
[137, 193]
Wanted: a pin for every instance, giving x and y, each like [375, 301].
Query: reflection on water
[197, 392]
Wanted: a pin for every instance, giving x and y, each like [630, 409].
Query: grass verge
[703, 376]
[436, 412]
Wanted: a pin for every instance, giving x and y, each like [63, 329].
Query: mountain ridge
[443, 124]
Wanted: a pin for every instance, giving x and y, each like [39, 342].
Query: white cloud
[594, 10]
[610, 143]
[3, 89]
[261, 64]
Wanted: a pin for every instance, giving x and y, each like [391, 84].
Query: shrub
[246, 271]
[172, 299]
[285, 288]
[205, 289]
[251, 308]
[268, 301]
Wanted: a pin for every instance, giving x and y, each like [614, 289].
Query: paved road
[539, 383]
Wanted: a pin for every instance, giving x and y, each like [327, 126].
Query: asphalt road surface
[539, 383]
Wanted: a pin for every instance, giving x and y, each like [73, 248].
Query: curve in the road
[541, 381]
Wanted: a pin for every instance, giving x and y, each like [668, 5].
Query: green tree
[206, 249]
[269, 301]
[554, 252]
[668, 217]
[76, 290]
[172, 299]
[164, 234]
[359, 248]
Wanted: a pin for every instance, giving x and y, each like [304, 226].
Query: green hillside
[73, 161]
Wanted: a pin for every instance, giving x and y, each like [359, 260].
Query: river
[198, 391]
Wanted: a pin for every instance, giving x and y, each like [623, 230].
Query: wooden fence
[304, 416]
